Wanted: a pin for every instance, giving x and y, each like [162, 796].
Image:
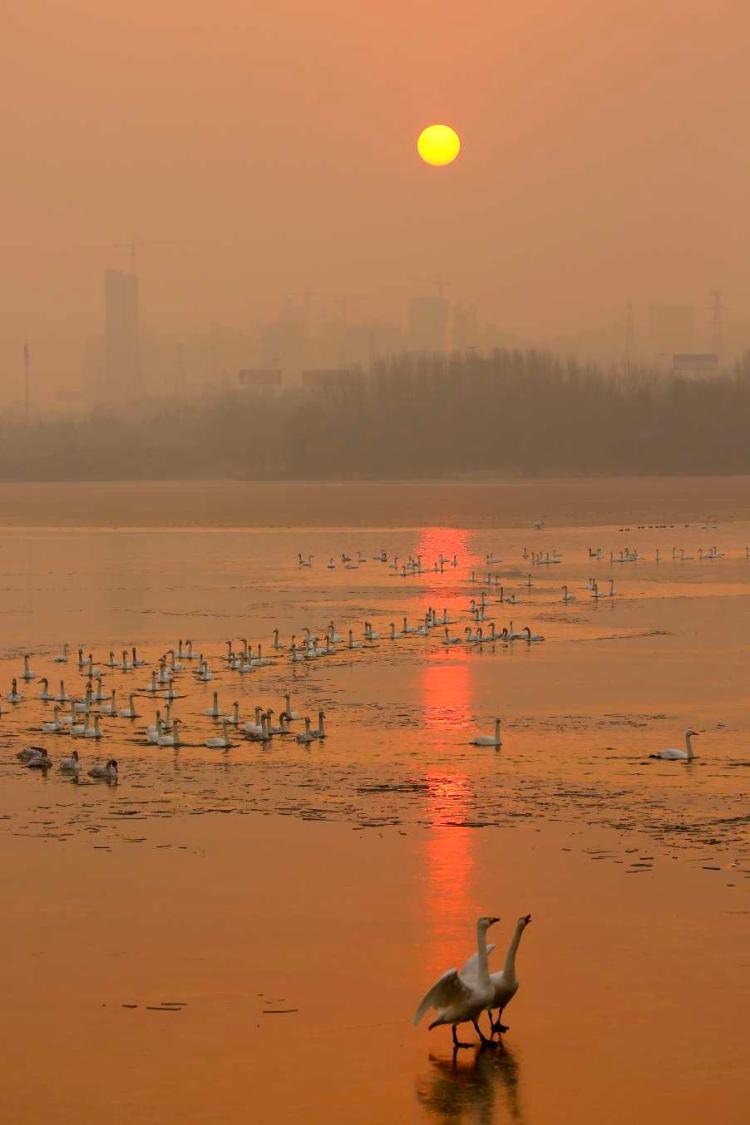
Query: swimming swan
[686, 755]
[489, 739]
[107, 772]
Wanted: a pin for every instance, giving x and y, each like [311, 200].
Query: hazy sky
[259, 149]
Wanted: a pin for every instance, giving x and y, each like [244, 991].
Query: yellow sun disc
[438, 144]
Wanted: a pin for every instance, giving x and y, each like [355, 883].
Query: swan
[14, 695]
[107, 772]
[30, 752]
[566, 596]
[263, 734]
[233, 718]
[62, 695]
[111, 663]
[282, 728]
[153, 732]
[514, 636]
[222, 743]
[83, 705]
[98, 696]
[188, 654]
[489, 739]
[214, 711]
[45, 694]
[126, 664]
[304, 562]
[296, 656]
[204, 673]
[128, 712]
[62, 657]
[449, 640]
[71, 764]
[152, 687]
[531, 637]
[370, 633]
[27, 674]
[256, 727]
[39, 762]
[504, 983]
[259, 661]
[172, 739]
[394, 636]
[55, 725]
[673, 755]
[457, 999]
[331, 631]
[277, 644]
[307, 735]
[320, 730]
[109, 706]
[88, 730]
[352, 644]
[137, 662]
[291, 714]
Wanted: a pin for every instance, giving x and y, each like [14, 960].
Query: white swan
[307, 735]
[489, 739]
[504, 983]
[320, 730]
[214, 711]
[128, 712]
[109, 706]
[62, 657]
[457, 999]
[62, 695]
[449, 640]
[531, 637]
[566, 596]
[222, 743]
[55, 725]
[254, 727]
[71, 764]
[172, 739]
[291, 714]
[673, 755]
[27, 674]
[45, 694]
[233, 718]
[352, 644]
[86, 730]
[107, 772]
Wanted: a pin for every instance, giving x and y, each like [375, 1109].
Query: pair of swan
[678, 755]
[461, 995]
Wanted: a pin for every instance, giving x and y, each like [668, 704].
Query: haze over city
[257, 165]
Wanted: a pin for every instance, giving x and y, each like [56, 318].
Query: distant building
[428, 324]
[120, 375]
[695, 363]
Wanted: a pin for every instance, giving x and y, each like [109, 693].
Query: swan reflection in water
[479, 1090]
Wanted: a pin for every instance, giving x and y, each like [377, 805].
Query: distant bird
[489, 739]
[71, 764]
[40, 762]
[675, 755]
[30, 752]
[107, 772]
[457, 999]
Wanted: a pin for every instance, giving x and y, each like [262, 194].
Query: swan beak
[491, 922]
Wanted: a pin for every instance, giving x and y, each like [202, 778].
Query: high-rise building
[120, 376]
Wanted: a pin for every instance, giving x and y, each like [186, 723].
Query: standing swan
[504, 983]
[686, 755]
[457, 999]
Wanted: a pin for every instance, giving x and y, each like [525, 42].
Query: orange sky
[262, 149]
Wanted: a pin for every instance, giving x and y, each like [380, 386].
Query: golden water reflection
[476, 1088]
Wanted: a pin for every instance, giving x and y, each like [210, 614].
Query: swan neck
[509, 969]
[483, 964]
[689, 745]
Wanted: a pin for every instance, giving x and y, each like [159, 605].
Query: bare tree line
[522, 413]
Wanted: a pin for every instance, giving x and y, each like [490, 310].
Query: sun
[438, 144]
